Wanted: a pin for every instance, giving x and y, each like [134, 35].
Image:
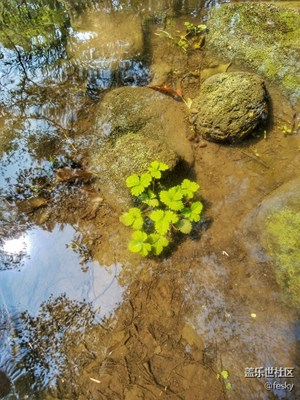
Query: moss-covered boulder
[230, 106]
[279, 222]
[262, 36]
[128, 154]
[133, 127]
[147, 112]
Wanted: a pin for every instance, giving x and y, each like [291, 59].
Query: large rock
[147, 112]
[129, 154]
[230, 106]
[262, 36]
[277, 223]
[135, 126]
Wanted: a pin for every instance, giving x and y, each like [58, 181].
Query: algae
[282, 245]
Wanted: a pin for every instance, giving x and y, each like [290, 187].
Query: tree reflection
[35, 27]
[44, 340]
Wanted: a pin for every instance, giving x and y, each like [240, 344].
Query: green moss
[262, 36]
[283, 228]
[129, 154]
[292, 83]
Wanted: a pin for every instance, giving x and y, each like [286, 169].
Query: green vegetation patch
[159, 211]
[263, 36]
[283, 245]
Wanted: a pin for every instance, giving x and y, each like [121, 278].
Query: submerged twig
[255, 158]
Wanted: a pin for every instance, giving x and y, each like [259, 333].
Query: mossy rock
[129, 154]
[283, 245]
[262, 36]
[279, 222]
[144, 111]
[230, 105]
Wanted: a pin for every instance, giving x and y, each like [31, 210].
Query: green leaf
[132, 218]
[155, 169]
[138, 183]
[224, 374]
[139, 244]
[162, 220]
[149, 198]
[189, 188]
[158, 242]
[193, 212]
[172, 198]
[184, 225]
[228, 385]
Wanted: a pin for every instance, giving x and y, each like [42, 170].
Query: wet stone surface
[230, 106]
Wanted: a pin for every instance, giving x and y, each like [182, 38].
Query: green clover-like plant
[138, 183]
[133, 218]
[139, 243]
[184, 225]
[189, 188]
[193, 212]
[149, 198]
[162, 220]
[155, 169]
[172, 198]
[158, 243]
[159, 211]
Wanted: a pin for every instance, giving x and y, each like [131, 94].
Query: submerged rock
[230, 106]
[278, 221]
[262, 36]
[135, 126]
[129, 154]
[144, 111]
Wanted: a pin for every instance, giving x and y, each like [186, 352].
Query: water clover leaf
[172, 198]
[158, 242]
[193, 212]
[139, 243]
[149, 198]
[162, 220]
[189, 188]
[138, 183]
[132, 218]
[184, 225]
[158, 213]
[155, 169]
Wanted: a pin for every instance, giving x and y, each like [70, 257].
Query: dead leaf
[32, 204]
[207, 72]
[68, 174]
[188, 102]
[169, 91]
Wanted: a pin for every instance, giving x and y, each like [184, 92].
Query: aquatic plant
[159, 211]
[191, 31]
[193, 37]
[224, 377]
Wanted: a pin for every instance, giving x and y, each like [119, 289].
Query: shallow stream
[80, 317]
